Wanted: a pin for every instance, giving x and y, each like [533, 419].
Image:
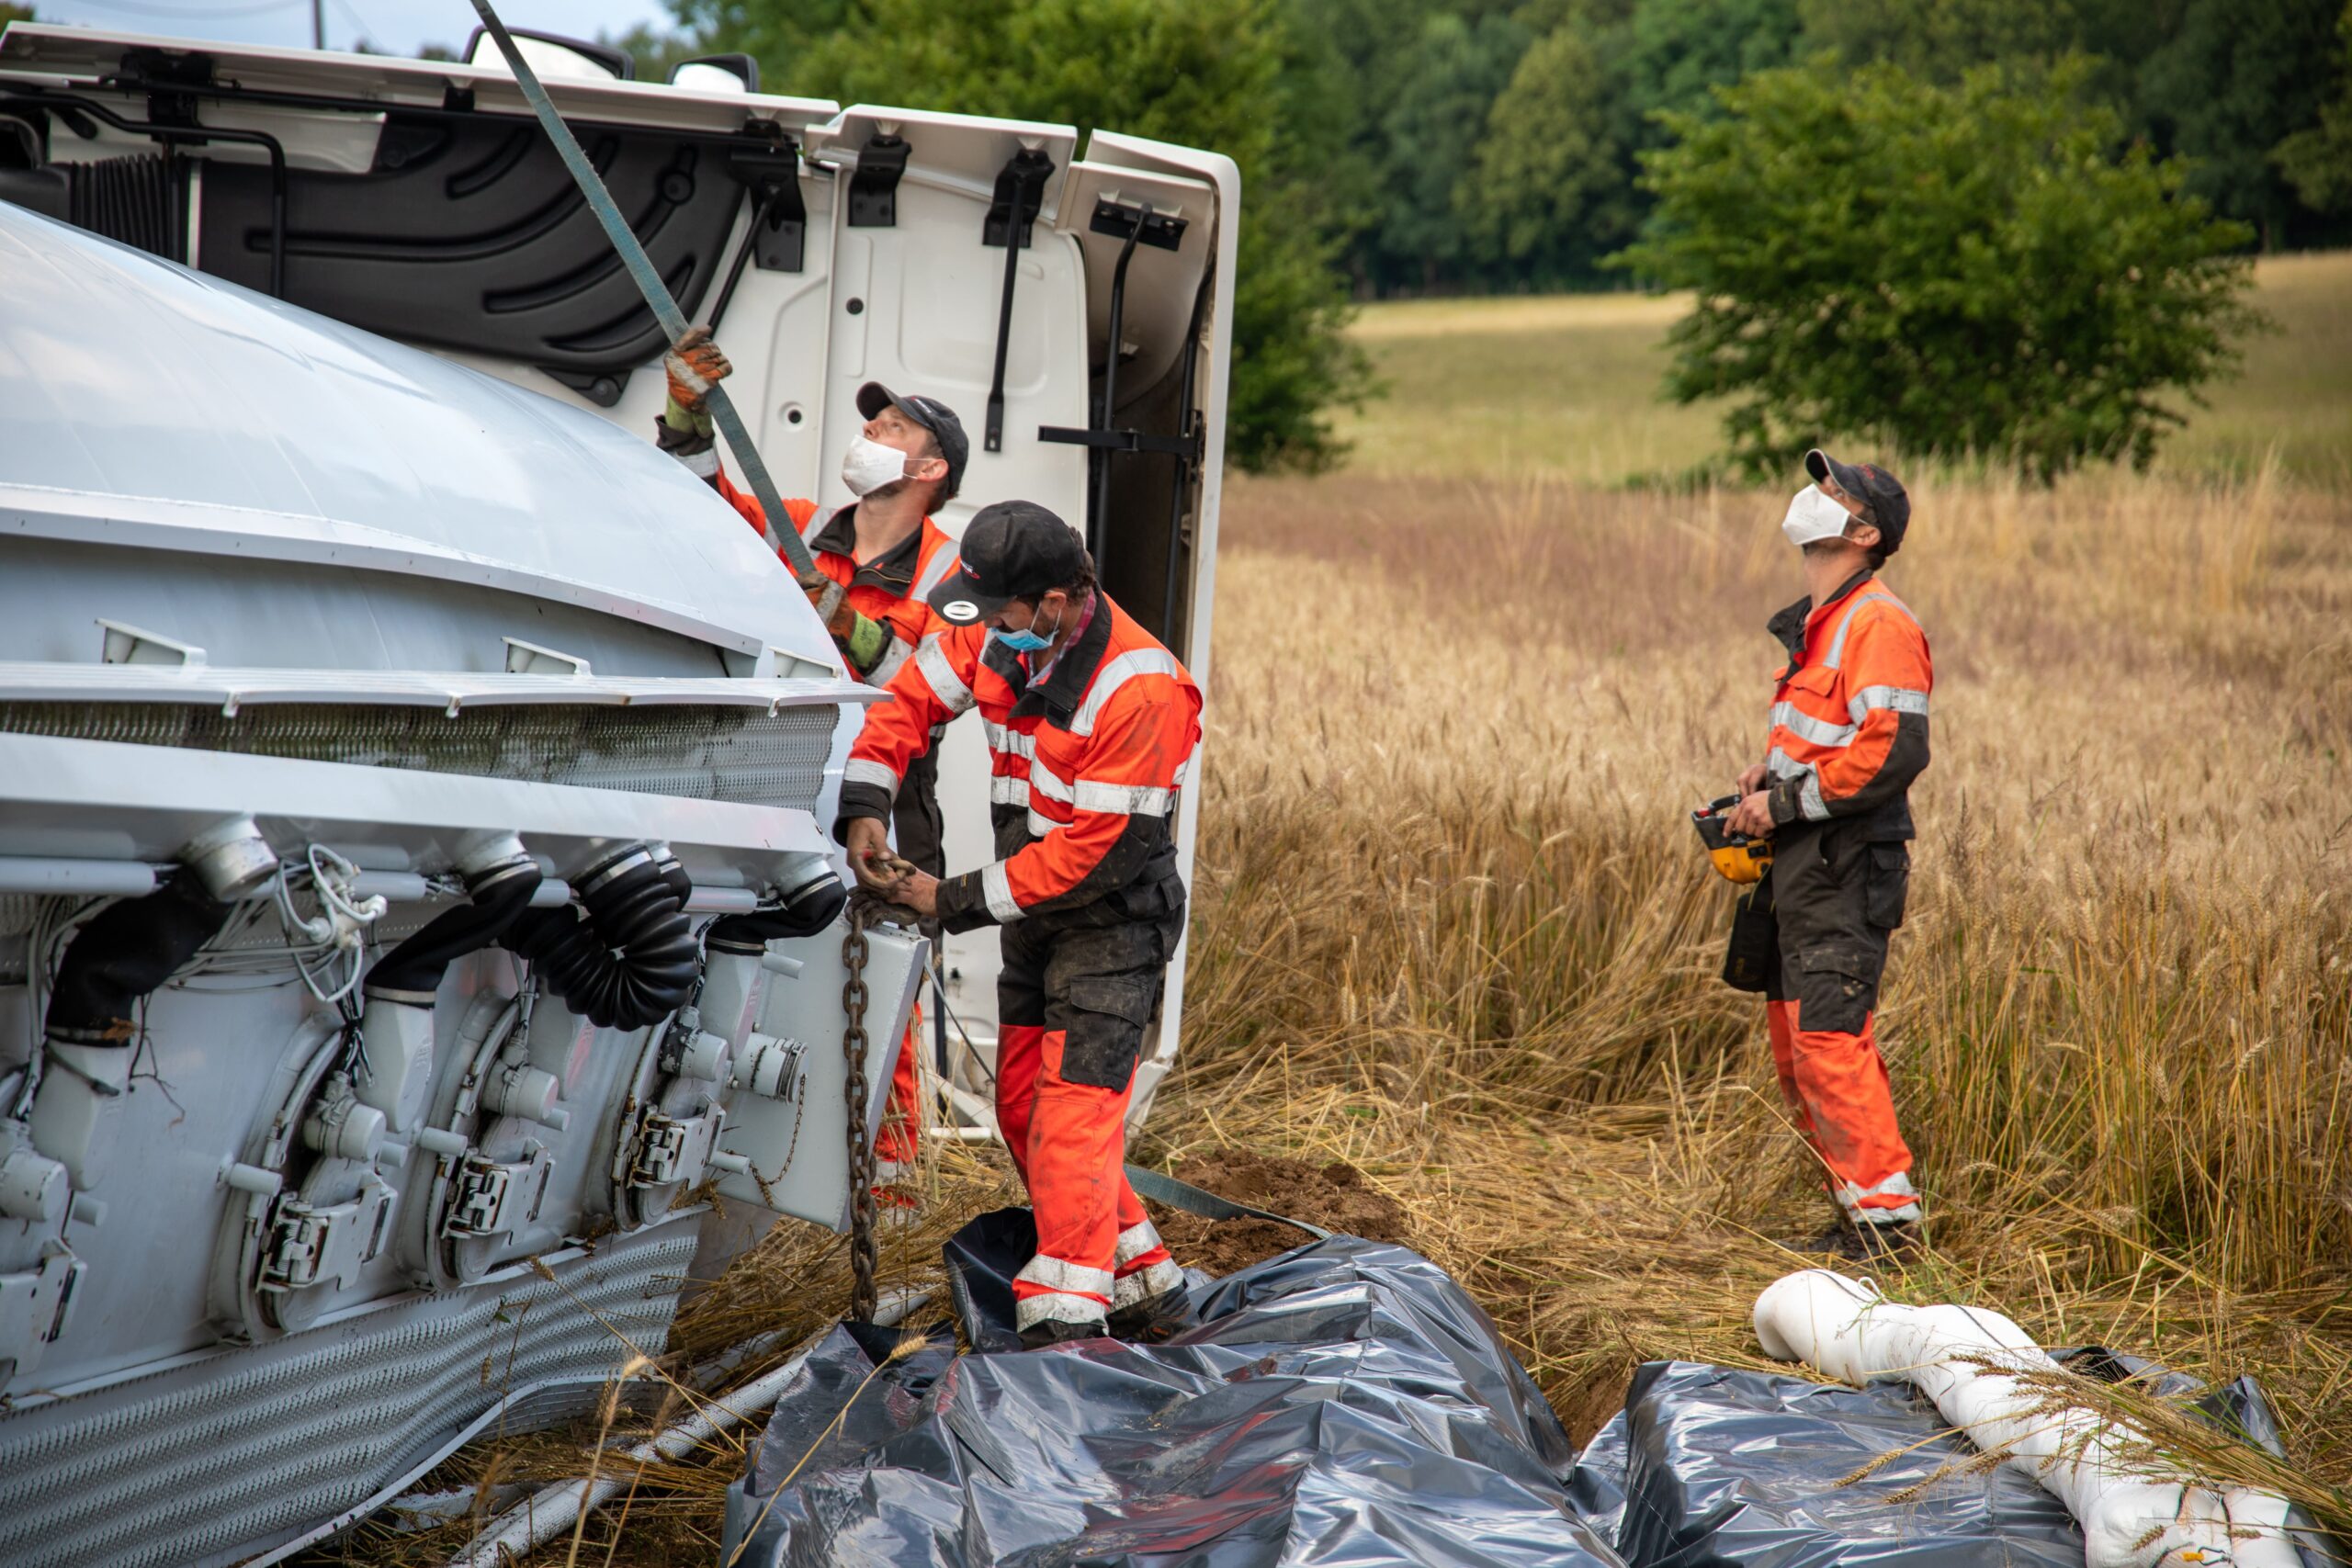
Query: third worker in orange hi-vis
[1848, 734]
[880, 555]
[1091, 728]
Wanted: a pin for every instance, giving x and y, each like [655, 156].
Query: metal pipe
[1097, 518]
[1181, 492]
[41, 873]
[396, 886]
[553, 1510]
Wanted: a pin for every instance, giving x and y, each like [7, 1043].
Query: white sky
[400, 26]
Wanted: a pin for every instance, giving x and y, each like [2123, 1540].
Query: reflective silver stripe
[1115, 674]
[1059, 1274]
[1010, 743]
[1054, 1307]
[1852, 1197]
[1007, 790]
[996, 886]
[861, 770]
[1806, 727]
[1050, 784]
[943, 561]
[1152, 1280]
[1900, 699]
[1128, 800]
[1134, 1241]
[1837, 643]
[702, 463]
[940, 677]
[1810, 806]
[1041, 824]
[816, 521]
[890, 662]
[1780, 765]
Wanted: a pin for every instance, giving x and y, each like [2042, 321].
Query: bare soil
[1334, 1196]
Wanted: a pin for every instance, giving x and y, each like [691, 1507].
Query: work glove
[693, 365]
[862, 639]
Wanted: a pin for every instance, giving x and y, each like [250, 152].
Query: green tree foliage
[2317, 160]
[1206, 73]
[1966, 269]
[15, 14]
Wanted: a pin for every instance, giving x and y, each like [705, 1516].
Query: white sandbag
[1964, 1360]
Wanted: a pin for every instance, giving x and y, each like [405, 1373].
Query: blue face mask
[1028, 641]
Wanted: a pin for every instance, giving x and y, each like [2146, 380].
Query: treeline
[1396, 147]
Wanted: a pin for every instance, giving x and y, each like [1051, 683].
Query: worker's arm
[931, 687]
[1123, 811]
[1888, 676]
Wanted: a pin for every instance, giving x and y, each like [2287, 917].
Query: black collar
[1064, 687]
[1787, 626]
[893, 569]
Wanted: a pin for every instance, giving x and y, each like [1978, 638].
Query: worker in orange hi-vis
[1091, 728]
[880, 555]
[1849, 734]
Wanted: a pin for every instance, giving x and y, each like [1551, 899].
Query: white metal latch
[34, 1304]
[326, 1246]
[487, 1193]
[672, 1149]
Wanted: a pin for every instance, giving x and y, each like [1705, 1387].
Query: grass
[1567, 386]
[1450, 926]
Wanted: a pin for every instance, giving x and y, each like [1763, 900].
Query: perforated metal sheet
[706, 752]
[225, 1456]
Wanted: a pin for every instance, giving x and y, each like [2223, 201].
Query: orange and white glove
[693, 365]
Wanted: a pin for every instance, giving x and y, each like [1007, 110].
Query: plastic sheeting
[1344, 1403]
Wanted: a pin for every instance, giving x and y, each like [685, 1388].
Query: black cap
[1012, 549]
[934, 416]
[1874, 487]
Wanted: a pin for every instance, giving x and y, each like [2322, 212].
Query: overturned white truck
[414, 789]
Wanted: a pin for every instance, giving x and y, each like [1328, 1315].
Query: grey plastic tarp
[1345, 1404]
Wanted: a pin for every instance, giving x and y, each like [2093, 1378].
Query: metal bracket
[485, 1193]
[779, 230]
[530, 658]
[318, 1246]
[1020, 193]
[1117, 219]
[126, 643]
[874, 183]
[668, 1150]
[35, 1304]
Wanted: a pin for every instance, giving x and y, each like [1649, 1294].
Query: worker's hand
[919, 892]
[1751, 779]
[694, 366]
[1752, 818]
[870, 857]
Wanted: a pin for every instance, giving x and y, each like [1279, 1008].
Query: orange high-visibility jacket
[892, 587]
[1087, 761]
[1849, 718]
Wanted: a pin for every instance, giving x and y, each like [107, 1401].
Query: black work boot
[1054, 1331]
[1895, 1241]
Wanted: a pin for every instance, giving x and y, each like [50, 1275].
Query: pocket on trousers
[1107, 1017]
[1836, 987]
[1886, 885]
[1754, 951]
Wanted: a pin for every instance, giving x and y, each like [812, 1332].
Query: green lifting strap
[657, 295]
[1163, 1189]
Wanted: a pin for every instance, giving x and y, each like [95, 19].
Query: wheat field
[1451, 927]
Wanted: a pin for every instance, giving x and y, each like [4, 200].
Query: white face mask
[869, 466]
[1813, 517]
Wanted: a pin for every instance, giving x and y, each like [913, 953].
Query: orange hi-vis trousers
[901, 1137]
[1070, 1141]
[1835, 1085]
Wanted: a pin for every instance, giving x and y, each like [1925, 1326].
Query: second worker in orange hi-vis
[1849, 734]
[1091, 728]
[879, 555]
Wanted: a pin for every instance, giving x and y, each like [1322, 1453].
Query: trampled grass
[1568, 384]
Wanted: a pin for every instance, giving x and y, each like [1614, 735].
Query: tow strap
[1161, 1188]
[657, 293]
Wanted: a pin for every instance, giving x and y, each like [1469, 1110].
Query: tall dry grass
[1451, 923]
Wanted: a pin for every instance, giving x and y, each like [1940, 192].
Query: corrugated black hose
[497, 897]
[627, 958]
[125, 952]
[806, 910]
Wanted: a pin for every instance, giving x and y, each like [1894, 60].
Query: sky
[398, 26]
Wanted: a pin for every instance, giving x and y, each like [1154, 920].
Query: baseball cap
[1011, 550]
[932, 415]
[1871, 485]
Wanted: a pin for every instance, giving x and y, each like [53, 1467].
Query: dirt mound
[1334, 1196]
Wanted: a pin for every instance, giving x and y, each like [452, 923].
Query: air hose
[626, 957]
[804, 911]
[497, 890]
[125, 952]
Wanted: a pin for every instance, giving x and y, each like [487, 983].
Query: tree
[1431, 129]
[2317, 161]
[1964, 269]
[1207, 74]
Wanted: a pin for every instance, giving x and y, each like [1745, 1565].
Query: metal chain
[861, 1145]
